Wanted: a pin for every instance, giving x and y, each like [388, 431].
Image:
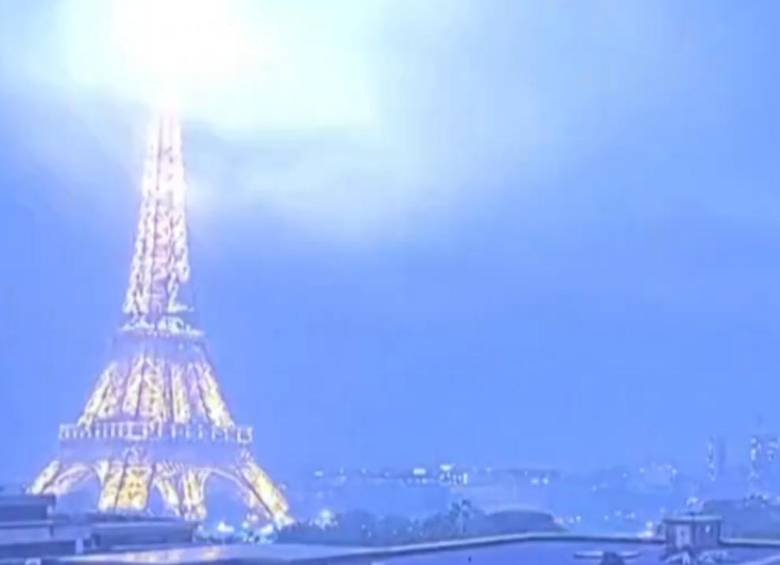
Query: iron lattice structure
[156, 420]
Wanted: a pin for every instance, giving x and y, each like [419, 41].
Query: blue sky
[493, 232]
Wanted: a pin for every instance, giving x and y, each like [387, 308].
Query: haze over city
[495, 233]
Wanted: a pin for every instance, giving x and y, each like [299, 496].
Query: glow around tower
[156, 423]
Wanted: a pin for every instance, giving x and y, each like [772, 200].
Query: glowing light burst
[238, 64]
[259, 72]
[179, 46]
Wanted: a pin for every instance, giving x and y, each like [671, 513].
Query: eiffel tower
[156, 420]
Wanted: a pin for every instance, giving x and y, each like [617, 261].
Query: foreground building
[31, 532]
[30, 528]
[156, 423]
[536, 549]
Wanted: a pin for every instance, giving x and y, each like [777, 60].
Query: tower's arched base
[128, 479]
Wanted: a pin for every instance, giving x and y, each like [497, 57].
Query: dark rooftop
[505, 550]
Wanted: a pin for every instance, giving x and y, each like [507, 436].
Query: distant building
[421, 490]
[716, 458]
[656, 475]
[694, 532]
[414, 491]
[764, 461]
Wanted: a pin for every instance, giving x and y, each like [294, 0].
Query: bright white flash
[178, 47]
[240, 64]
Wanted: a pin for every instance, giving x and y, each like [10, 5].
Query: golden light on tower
[156, 420]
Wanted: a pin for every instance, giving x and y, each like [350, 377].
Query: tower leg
[262, 495]
[165, 480]
[45, 478]
[61, 478]
[192, 484]
[125, 483]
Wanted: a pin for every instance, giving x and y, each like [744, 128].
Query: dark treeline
[462, 520]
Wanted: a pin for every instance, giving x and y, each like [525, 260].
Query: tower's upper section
[160, 269]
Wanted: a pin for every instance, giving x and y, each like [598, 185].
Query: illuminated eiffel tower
[156, 420]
